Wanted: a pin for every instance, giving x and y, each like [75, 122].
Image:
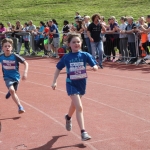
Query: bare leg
[79, 110]
[46, 47]
[71, 110]
[14, 95]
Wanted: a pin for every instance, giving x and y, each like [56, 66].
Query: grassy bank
[44, 10]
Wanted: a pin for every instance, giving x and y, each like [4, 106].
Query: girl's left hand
[95, 68]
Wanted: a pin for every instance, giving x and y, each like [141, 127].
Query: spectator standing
[114, 37]
[123, 40]
[131, 39]
[46, 40]
[65, 30]
[40, 43]
[55, 33]
[144, 37]
[31, 29]
[36, 38]
[2, 34]
[18, 28]
[107, 45]
[10, 34]
[85, 25]
[26, 39]
[94, 32]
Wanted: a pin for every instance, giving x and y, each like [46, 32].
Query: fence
[126, 49]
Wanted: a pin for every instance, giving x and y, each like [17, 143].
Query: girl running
[75, 63]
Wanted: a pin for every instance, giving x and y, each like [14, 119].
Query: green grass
[44, 10]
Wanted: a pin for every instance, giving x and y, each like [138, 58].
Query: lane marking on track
[55, 120]
[103, 140]
[96, 101]
[120, 88]
[103, 74]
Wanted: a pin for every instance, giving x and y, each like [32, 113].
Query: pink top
[1, 30]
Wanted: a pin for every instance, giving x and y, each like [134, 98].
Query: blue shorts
[76, 87]
[10, 82]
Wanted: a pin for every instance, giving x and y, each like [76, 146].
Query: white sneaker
[147, 57]
[57, 57]
[68, 124]
[85, 136]
[45, 56]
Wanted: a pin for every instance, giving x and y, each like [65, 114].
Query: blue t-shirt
[41, 30]
[10, 66]
[75, 64]
[52, 28]
[36, 37]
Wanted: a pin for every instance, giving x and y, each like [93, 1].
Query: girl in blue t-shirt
[75, 63]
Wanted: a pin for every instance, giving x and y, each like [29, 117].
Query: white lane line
[104, 74]
[97, 101]
[121, 76]
[112, 86]
[103, 140]
[55, 120]
[143, 132]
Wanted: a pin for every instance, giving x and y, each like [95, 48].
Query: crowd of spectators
[101, 38]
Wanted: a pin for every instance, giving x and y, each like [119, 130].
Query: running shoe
[101, 66]
[57, 57]
[21, 109]
[68, 124]
[147, 57]
[85, 136]
[8, 95]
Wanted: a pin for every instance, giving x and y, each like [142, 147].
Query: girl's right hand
[54, 85]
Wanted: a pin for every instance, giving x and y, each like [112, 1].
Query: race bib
[77, 71]
[9, 65]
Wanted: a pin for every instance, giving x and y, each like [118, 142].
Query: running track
[116, 110]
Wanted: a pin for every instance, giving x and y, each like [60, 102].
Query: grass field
[43, 10]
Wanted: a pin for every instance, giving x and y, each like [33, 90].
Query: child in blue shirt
[10, 67]
[75, 63]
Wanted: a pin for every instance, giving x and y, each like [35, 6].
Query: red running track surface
[116, 110]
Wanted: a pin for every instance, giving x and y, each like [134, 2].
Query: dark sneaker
[85, 136]
[7, 95]
[21, 109]
[68, 124]
[101, 66]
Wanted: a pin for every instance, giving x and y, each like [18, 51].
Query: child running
[75, 63]
[10, 68]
